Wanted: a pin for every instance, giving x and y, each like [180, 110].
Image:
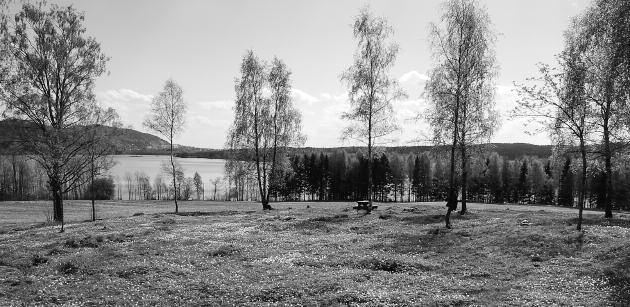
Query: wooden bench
[364, 205]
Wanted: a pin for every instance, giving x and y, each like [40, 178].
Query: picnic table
[365, 205]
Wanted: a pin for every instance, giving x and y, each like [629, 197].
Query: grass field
[323, 254]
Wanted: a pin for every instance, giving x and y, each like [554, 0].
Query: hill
[126, 141]
[130, 141]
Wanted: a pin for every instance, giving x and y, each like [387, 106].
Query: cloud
[208, 121]
[413, 77]
[130, 105]
[303, 97]
[216, 104]
[206, 125]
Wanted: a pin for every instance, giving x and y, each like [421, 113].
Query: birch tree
[265, 119]
[167, 118]
[48, 67]
[371, 90]
[605, 29]
[461, 89]
[557, 99]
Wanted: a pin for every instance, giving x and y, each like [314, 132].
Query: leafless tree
[371, 90]
[102, 149]
[48, 70]
[157, 184]
[216, 182]
[461, 89]
[167, 118]
[264, 126]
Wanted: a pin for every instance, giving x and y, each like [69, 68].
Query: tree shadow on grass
[214, 213]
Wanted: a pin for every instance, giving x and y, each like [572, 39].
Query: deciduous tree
[604, 32]
[167, 118]
[264, 125]
[461, 89]
[371, 90]
[48, 67]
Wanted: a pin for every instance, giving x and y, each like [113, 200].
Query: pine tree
[523, 183]
[495, 178]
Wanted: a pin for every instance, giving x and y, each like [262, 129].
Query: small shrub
[104, 189]
[387, 265]
[117, 237]
[384, 216]
[87, 241]
[434, 231]
[167, 221]
[67, 268]
[224, 251]
[38, 259]
[72, 243]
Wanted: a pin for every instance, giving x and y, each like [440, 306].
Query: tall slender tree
[557, 99]
[264, 125]
[371, 90]
[605, 30]
[460, 88]
[167, 118]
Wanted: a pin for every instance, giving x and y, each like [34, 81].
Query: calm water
[209, 169]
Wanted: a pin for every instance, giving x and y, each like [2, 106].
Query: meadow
[218, 253]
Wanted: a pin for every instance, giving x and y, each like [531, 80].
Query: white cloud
[125, 95]
[208, 121]
[302, 97]
[216, 104]
[130, 105]
[413, 76]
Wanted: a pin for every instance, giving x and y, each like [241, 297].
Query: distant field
[81, 210]
[327, 254]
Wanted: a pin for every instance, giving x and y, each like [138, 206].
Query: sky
[200, 45]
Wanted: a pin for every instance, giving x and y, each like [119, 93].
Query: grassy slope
[326, 254]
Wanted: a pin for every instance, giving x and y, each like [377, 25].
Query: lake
[209, 169]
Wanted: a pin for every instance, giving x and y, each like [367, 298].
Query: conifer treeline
[341, 176]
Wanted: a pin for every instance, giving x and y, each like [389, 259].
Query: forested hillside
[125, 140]
[508, 150]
